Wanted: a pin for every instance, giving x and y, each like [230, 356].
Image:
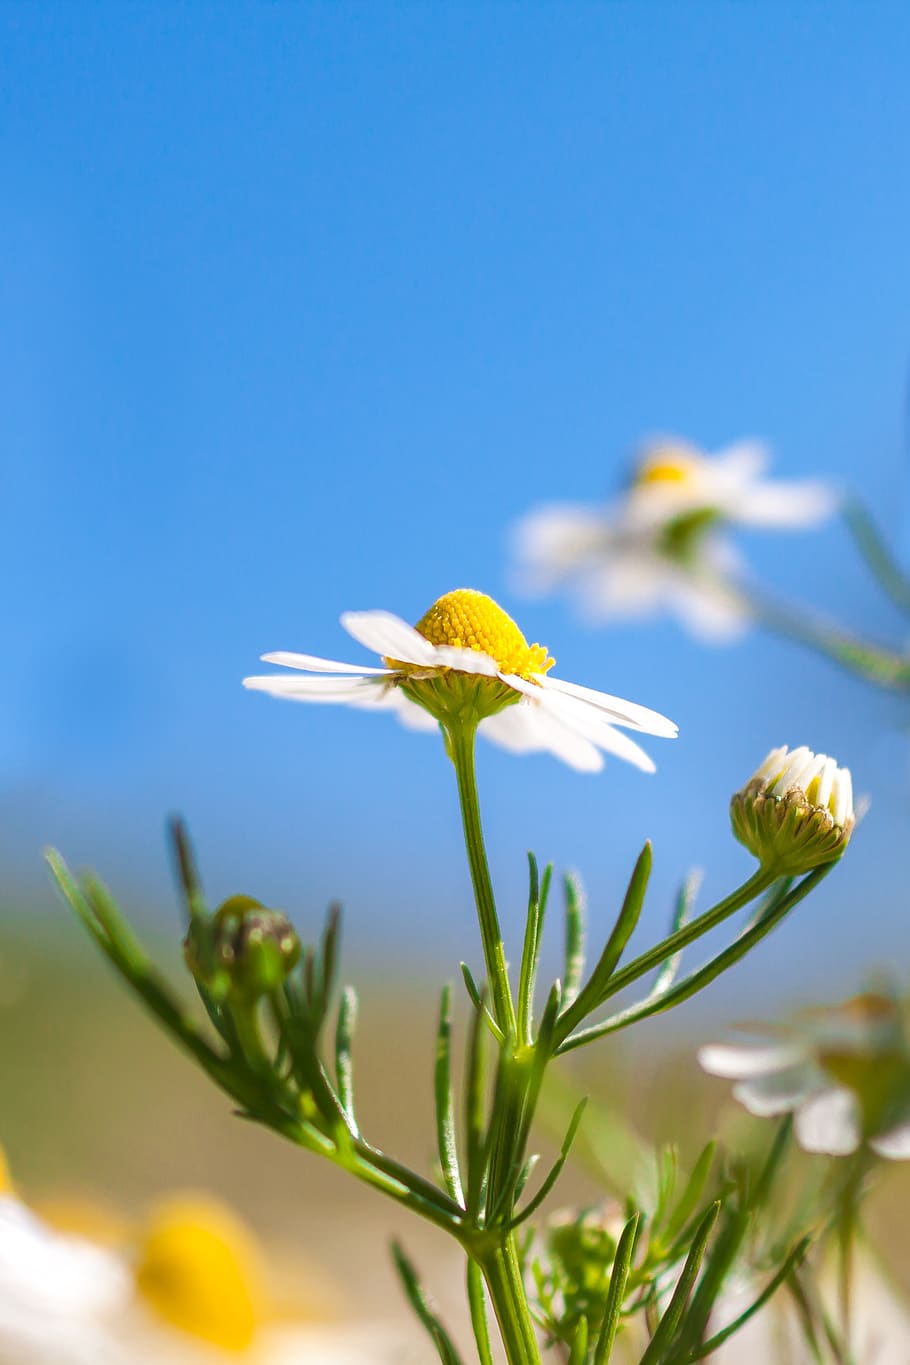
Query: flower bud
[243, 950]
[796, 812]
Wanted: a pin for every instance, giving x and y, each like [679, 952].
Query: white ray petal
[895, 1144]
[388, 635]
[363, 691]
[585, 720]
[710, 610]
[523, 728]
[737, 1063]
[826, 782]
[829, 1123]
[787, 506]
[465, 660]
[410, 714]
[311, 663]
[780, 1091]
[627, 713]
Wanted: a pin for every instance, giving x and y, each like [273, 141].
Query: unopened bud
[796, 812]
[243, 950]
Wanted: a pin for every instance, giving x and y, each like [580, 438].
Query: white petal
[826, 782]
[584, 720]
[412, 715]
[895, 1144]
[710, 610]
[829, 1123]
[464, 660]
[736, 1063]
[554, 541]
[355, 691]
[843, 796]
[780, 1091]
[310, 663]
[388, 635]
[621, 712]
[785, 505]
[523, 728]
[739, 463]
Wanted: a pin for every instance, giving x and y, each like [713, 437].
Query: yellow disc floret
[199, 1269]
[668, 464]
[471, 620]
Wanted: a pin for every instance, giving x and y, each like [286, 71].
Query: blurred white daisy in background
[660, 546]
[188, 1288]
[467, 652]
[843, 1072]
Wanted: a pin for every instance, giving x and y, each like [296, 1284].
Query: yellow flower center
[668, 464]
[200, 1270]
[471, 620]
[6, 1181]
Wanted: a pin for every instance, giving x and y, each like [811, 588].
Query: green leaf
[593, 993]
[187, 873]
[682, 909]
[703, 976]
[793, 1260]
[663, 1340]
[556, 1168]
[478, 1306]
[478, 1002]
[445, 1104]
[530, 956]
[417, 1298]
[575, 938]
[475, 1121]
[689, 1199]
[344, 1066]
[579, 1352]
[622, 1264]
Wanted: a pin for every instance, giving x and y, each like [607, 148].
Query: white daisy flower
[660, 546]
[466, 656]
[796, 811]
[843, 1072]
[188, 1291]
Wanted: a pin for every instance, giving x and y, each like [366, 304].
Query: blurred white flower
[466, 652]
[880, 1321]
[843, 1072]
[185, 1292]
[661, 546]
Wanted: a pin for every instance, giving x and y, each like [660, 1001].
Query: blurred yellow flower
[200, 1269]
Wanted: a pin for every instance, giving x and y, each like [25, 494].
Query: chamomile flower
[843, 1072]
[466, 658]
[190, 1288]
[661, 545]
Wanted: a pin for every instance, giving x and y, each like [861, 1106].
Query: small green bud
[796, 812]
[244, 950]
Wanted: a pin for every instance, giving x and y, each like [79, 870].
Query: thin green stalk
[461, 742]
[507, 1295]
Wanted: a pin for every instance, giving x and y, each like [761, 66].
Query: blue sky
[304, 305]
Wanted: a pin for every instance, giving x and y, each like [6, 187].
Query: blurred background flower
[660, 546]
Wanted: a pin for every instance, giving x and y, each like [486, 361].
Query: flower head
[190, 1286]
[796, 812]
[467, 660]
[660, 545]
[844, 1072]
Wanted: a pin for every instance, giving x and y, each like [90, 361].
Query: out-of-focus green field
[98, 1106]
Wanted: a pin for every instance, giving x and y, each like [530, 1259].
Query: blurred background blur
[302, 307]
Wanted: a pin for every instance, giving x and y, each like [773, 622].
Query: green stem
[507, 1295]
[461, 736]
